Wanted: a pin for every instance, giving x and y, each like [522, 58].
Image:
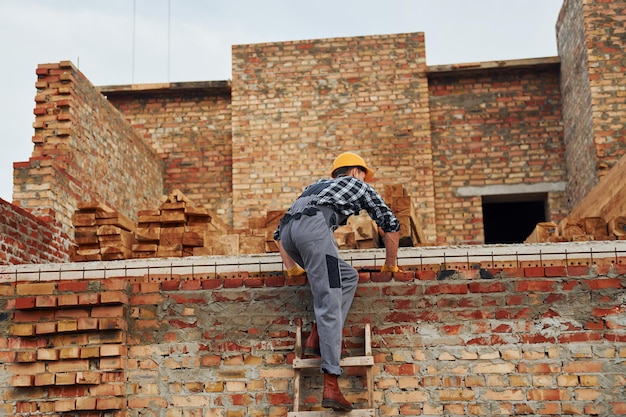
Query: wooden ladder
[300, 363]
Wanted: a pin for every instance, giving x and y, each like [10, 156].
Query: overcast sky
[146, 41]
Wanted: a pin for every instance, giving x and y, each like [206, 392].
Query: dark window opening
[512, 218]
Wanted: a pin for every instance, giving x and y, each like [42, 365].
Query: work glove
[295, 271]
[390, 268]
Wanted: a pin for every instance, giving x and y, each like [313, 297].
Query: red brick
[36, 289]
[23, 380]
[88, 299]
[482, 287]
[536, 271]
[25, 302]
[109, 311]
[190, 285]
[270, 281]
[428, 275]
[555, 271]
[535, 285]
[604, 283]
[171, 285]
[65, 300]
[72, 286]
[577, 271]
[447, 289]
[112, 297]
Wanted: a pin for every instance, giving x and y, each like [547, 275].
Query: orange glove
[295, 271]
[390, 268]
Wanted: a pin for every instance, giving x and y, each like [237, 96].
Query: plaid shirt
[348, 196]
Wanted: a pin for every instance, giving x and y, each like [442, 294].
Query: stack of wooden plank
[577, 229]
[259, 237]
[179, 228]
[411, 232]
[176, 229]
[360, 232]
[101, 233]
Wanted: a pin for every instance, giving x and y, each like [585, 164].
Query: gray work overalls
[306, 234]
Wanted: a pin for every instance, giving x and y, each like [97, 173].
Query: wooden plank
[571, 226]
[149, 216]
[393, 190]
[542, 232]
[192, 239]
[93, 206]
[144, 247]
[349, 361]
[607, 199]
[595, 226]
[83, 219]
[617, 226]
[273, 218]
[344, 237]
[116, 219]
[249, 244]
[364, 227]
[365, 412]
[148, 232]
[169, 216]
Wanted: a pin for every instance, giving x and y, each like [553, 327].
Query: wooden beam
[608, 198]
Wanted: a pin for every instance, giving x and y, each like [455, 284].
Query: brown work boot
[312, 343]
[332, 397]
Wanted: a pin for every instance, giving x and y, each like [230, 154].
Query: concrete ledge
[576, 252]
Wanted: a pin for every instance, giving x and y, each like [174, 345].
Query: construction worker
[306, 240]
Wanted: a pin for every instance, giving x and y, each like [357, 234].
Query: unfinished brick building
[485, 150]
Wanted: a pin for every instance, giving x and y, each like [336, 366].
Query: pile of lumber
[179, 228]
[176, 229]
[361, 232]
[577, 229]
[259, 236]
[411, 232]
[101, 234]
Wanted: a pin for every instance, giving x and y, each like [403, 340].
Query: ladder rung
[365, 412]
[350, 361]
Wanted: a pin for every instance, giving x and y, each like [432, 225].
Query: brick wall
[604, 32]
[498, 127]
[521, 338]
[26, 238]
[297, 105]
[84, 151]
[189, 127]
[591, 45]
[576, 93]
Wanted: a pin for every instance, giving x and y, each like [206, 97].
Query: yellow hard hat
[350, 159]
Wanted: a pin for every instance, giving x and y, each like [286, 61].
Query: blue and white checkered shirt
[347, 196]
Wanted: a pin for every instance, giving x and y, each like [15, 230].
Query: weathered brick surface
[525, 341]
[296, 105]
[29, 238]
[591, 45]
[500, 127]
[84, 151]
[190, 129]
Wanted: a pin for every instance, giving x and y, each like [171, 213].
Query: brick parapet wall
[84, 151]
[28, 238]
[590, 45]
[190, 129]
[577, 112]
[540, 338]
[297, 105]
[605, 40]
[499, 127]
